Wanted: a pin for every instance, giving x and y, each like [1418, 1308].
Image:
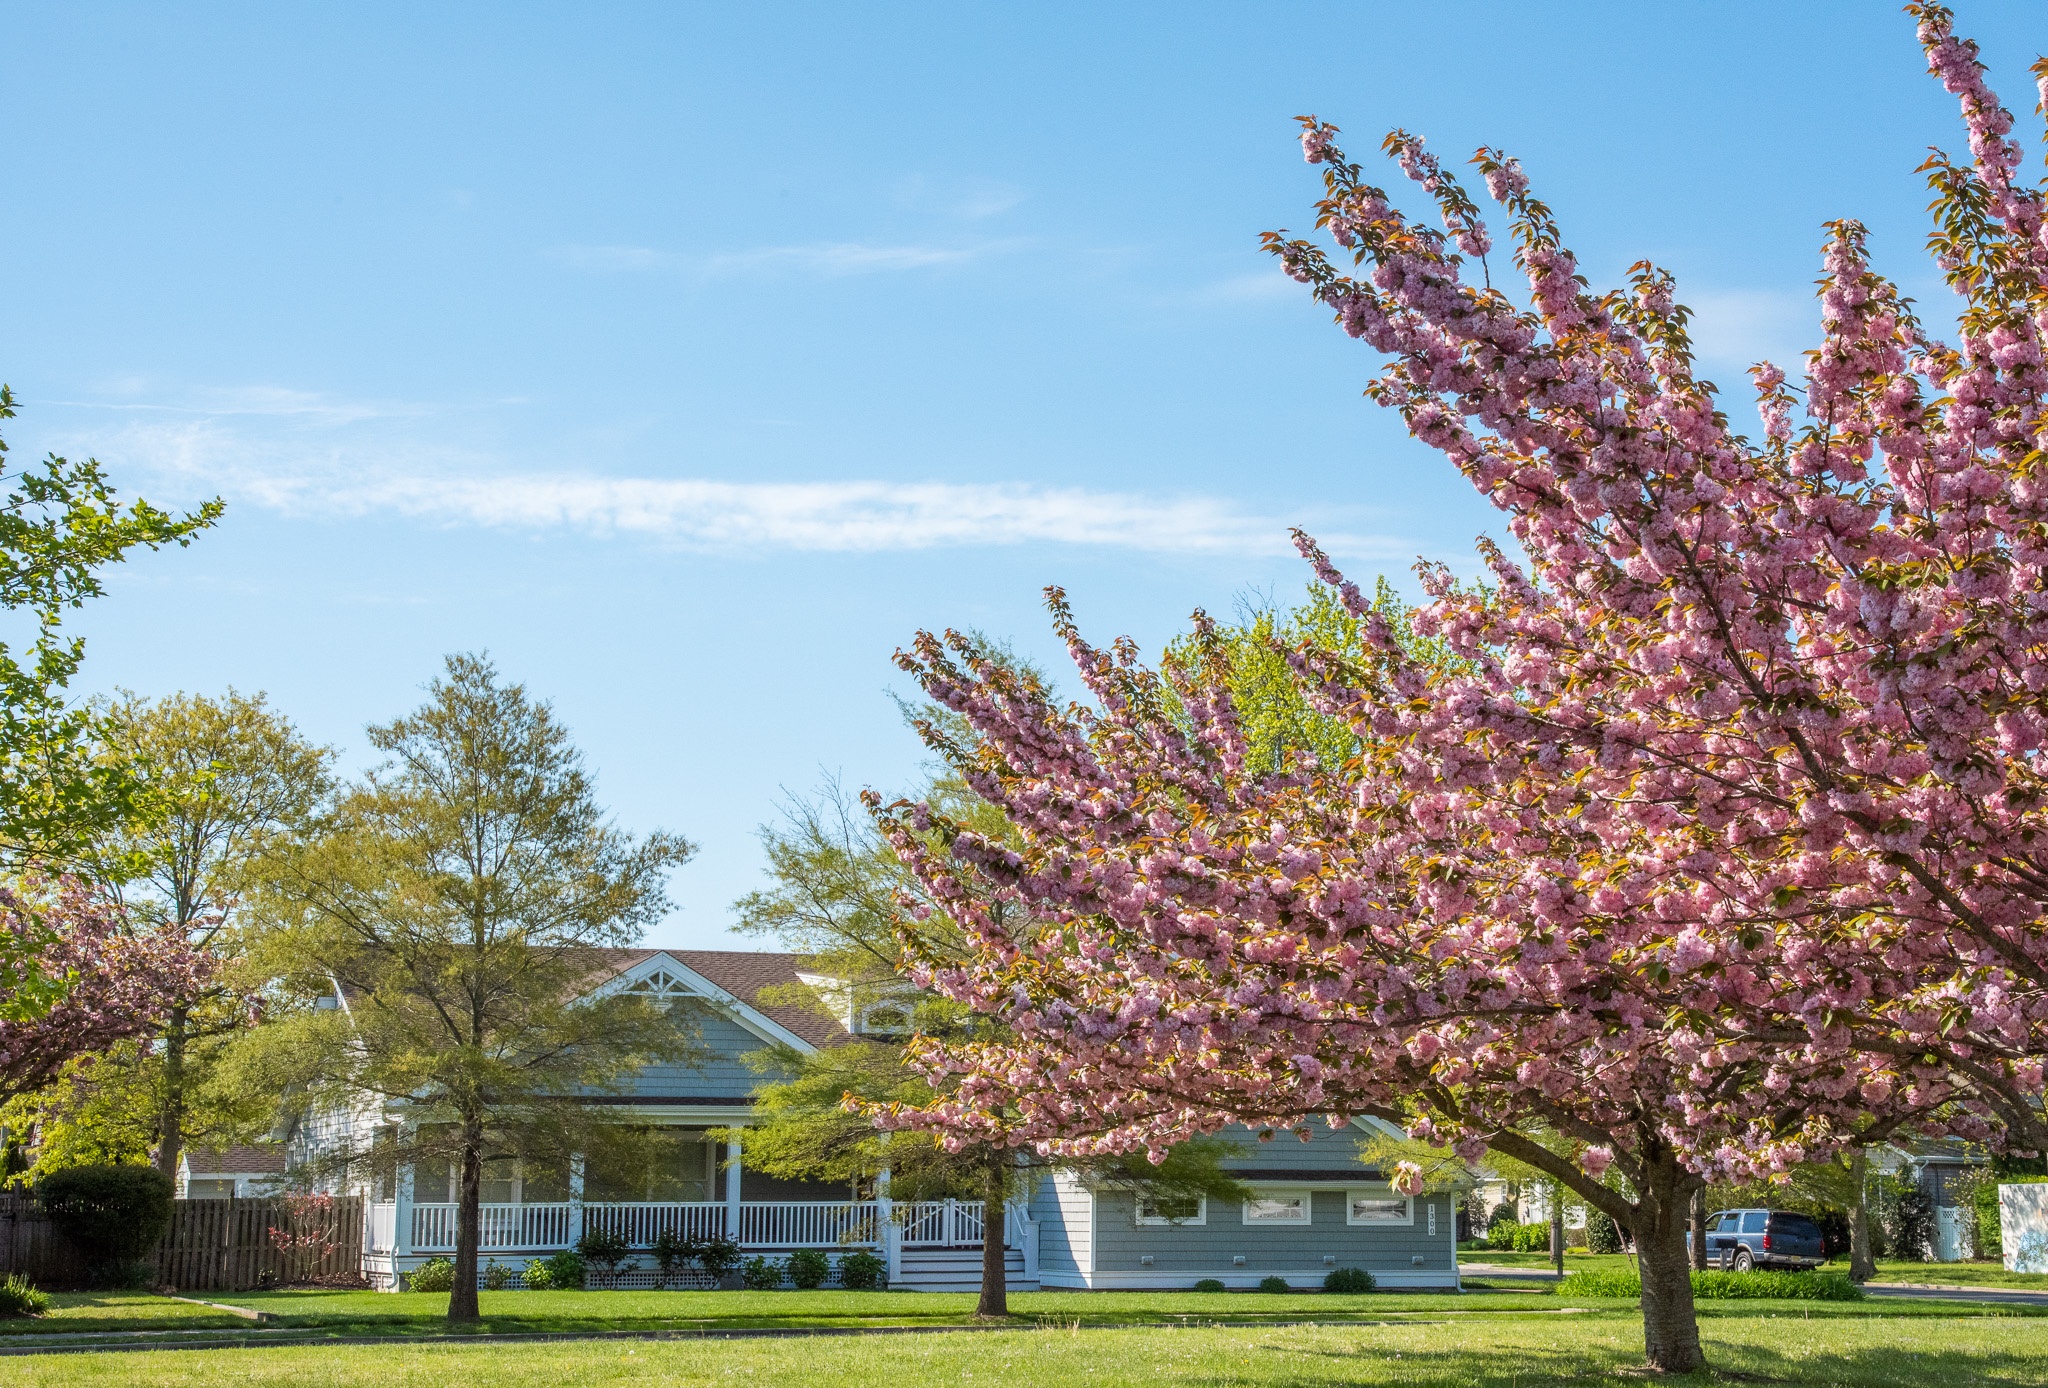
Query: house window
[1277, 1207]
[1372, 1208]
[1188, 1209]
[652, 1165]
[209, 1190]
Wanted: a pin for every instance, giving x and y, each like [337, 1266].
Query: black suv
[1739, 1240]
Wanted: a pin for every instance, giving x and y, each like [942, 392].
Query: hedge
[1720, 1286]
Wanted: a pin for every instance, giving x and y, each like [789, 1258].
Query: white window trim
[1307, 1207]
[1200, 1216]
[1351, 1217]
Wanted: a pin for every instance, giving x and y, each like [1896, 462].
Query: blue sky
[691, 358]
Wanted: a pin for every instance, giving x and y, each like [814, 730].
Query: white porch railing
[762, 1224]
[940, 1223]
[498, 1226]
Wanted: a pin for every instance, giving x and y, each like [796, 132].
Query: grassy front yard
[1511, 1351]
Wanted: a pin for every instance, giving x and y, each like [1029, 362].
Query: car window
[1753, 1223]
[1727, 1224]
[1794, 1225]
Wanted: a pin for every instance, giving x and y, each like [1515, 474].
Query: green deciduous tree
[458, 902]
[61, 525]
[226, 783]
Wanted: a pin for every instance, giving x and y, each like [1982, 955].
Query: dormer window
[887, 1019]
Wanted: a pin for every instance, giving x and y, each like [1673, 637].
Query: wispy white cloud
[1736, 328]
[829, 258]
[306, 468]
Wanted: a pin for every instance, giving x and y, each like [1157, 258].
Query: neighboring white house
[208, 1173]
[1314, 1206]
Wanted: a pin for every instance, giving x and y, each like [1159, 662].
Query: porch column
[401, 1214]
[885, 1226]
[732, 1187]
[575, 1198]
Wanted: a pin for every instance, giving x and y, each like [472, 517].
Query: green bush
[1210, 1284]
[114, 1214]
[434, 1275]
[604, 1249]
[761, 1275]
[1603, 1235]
[19, 1299]
[1720, 1286]
[559, 1272]
[808, 1269]
[1274, 1284]
[862, 1271]
[1532, 1238]
[1349, 1281]
[535, 1278]
[497, 1276]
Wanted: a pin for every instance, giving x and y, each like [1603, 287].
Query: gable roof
[745, 974]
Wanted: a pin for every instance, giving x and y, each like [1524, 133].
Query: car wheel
[1743, 1261]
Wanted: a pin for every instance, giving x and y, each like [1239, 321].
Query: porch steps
[956, 1270]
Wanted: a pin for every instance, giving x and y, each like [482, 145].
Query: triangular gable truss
[663, 976]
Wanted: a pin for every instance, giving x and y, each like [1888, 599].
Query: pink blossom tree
[77, 980]
[1715, 845]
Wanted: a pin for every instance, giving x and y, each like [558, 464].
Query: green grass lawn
[103, 1312]
[1511, 1351]
[1574, 1259]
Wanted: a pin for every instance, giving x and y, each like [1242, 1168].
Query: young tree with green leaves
[225, 783]
[818, 1125]
[457, 903]
[61, 525]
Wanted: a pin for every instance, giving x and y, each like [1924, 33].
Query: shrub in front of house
[761, 1275]
[434, 1275]
[114, 1214]
[1603, 1235]
[808, 1269]
[604, 1250]
[558, 1272]
[1349, 1281]
[1532, 1238]
[1210, 1284]
[1626, 1283]
[497, 1276]
[862, 1271]
[1274, 1284]
[20, 1298]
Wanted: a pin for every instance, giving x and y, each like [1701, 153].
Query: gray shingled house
[1314, 1207]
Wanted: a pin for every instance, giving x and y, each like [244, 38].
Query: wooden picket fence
[212, 1245]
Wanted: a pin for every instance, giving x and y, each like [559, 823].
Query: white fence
[762, 1224]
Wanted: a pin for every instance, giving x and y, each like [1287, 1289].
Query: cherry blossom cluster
[94, 982]
[1720, 836]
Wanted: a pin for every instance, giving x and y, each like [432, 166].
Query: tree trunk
[1557, 1227]
[1862, 1259]
[462, 1307]
[1671, 1332]
[995, 1289]
[1699, 1229]
[170, 1122]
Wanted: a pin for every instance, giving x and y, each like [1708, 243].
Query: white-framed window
[1186, 1209]
[1277, 1207]
[1378, 1207]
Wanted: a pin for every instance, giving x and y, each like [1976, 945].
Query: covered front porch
[928, 1244]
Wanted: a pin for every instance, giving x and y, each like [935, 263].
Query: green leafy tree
[61, 525]
[225, 784]
[818, 1125]
[457, 903]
